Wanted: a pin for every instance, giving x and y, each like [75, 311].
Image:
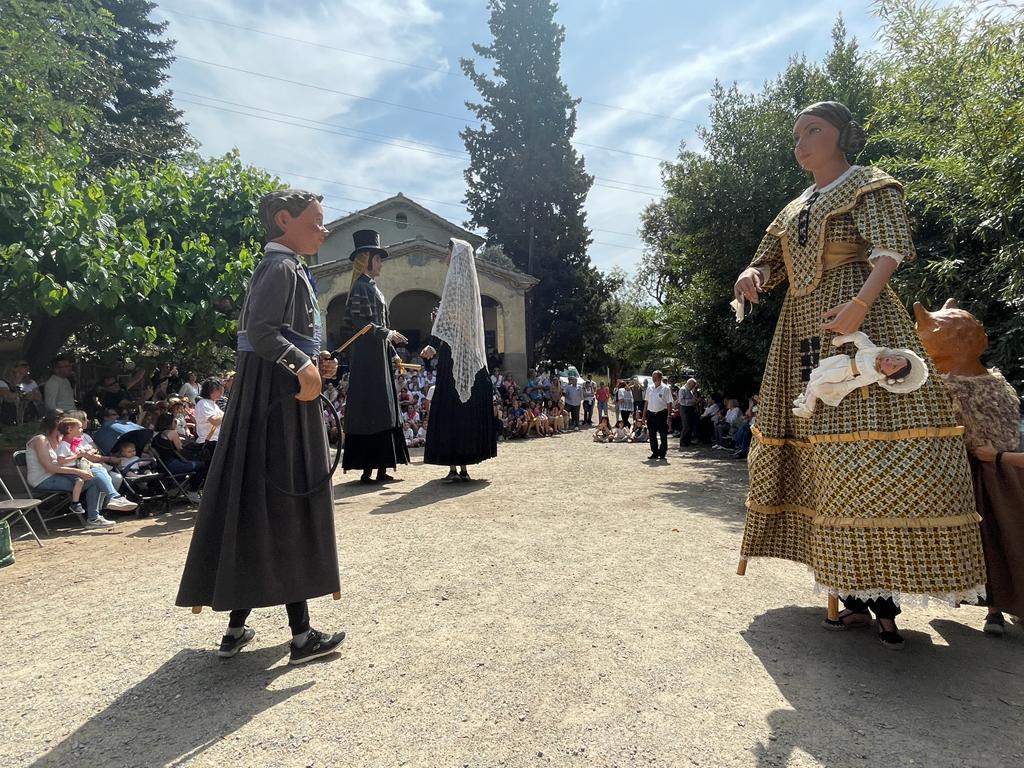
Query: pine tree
[526, 183]
[140, 122]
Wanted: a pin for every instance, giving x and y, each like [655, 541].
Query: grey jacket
[280, 313]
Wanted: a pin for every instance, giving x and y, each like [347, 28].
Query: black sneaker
[230, 645]
[317, 644]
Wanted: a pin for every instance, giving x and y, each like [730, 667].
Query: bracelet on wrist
[858, 300]
[999, 457]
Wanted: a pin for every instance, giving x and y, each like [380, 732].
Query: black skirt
[378, 451]
[252, 545]
[460, 433]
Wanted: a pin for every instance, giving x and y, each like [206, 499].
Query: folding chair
[12, 507]
[178, 480]
[60, 500]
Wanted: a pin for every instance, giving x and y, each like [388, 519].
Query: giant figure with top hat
[255, 545]
[373, 426]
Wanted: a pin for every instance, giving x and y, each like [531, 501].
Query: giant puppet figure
[874, 494]
[461, 428]
[253, 545]
[373, 419]
[989, 409]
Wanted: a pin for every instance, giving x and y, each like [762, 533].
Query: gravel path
[577, 607]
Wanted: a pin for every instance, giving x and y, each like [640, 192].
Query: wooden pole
[197, 609]
[336, 595]
[365, 329]
[833, 607]
[741, 569]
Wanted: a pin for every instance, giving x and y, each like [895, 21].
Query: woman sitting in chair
[170, 449]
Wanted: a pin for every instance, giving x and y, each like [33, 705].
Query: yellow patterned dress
[873, 495]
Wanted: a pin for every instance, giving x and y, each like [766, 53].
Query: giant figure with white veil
[460, 428]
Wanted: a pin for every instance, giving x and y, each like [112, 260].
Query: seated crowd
[163, 426]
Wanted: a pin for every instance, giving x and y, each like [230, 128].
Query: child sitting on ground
[639, 434]
[603, 433]
[621, 435]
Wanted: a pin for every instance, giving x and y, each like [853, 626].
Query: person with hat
[873, 493]
[254, 544]
[373, 423]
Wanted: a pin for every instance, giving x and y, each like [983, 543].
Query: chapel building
[413, 276]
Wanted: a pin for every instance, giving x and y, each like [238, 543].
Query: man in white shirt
[58, 394]
[657, 401]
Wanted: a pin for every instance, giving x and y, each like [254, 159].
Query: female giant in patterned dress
[873, 495]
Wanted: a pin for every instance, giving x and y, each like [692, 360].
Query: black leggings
[298, 617]
[883, 609]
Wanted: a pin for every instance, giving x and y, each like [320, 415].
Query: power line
[447, 154]
[326, 89]
[460, 156]
[398, 138]
[319, 122]
[417, 198]
[439, 70]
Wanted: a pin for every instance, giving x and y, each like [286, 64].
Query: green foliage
[717, 204]
[140, 122]
[944, 110]
[526, 184]
[50, 88]
[951, 119]
[161, 258]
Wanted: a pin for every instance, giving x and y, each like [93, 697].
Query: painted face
[306, 231]
[376, 262]
[890, 364]
[816, 142]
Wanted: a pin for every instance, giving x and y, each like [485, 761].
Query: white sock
[235, 632]
[301, 638]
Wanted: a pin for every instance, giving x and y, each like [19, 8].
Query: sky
[366, 99]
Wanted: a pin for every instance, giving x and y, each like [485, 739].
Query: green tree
[717, 204]
[140, 122]
[950, 119]
[161, 258]
[50, 88]
[526, 184]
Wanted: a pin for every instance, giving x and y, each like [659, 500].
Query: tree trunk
[46, 336]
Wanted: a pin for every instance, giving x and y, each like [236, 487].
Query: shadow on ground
[959, 702]
[427, 494]
[203, 698]
[713, 495]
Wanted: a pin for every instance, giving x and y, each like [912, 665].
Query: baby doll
[896, 370]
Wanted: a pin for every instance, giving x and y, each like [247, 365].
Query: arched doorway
[333, 321]
[410, 316]
[494, 331]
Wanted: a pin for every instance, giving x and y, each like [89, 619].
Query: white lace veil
[460, 319]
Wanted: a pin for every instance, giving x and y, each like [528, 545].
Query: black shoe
[451, 477]
[317, 644]
[230, 645]
[464, 476]
[653, 457]
[367, 480]
[384, 477]
[740, 454]
[890, 639]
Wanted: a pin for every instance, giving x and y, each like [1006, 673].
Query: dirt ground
[576, 606]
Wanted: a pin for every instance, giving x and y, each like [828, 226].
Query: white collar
[812, 189]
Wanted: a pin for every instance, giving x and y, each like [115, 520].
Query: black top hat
[366, 240]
